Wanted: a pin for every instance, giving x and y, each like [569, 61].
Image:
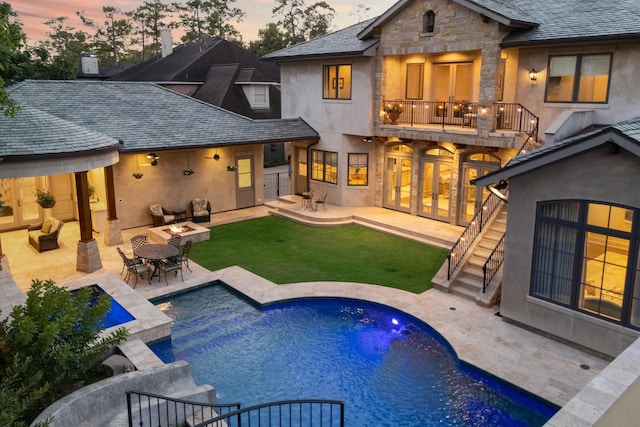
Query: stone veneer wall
[457, 29]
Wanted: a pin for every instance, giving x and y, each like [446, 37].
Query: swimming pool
[390, 368]
[116, 315]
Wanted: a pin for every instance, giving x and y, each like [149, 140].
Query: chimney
[89, 63]
[166, 41]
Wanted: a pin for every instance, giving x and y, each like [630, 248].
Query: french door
[472, 195]
[453, 85]
[397, 183]
[18, 197]
[435, 194]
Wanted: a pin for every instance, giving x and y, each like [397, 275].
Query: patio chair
[175, 240]
[139, 240]
[44, 236]
[173, 264]
[200, 210]
[321, 201]
[161, 216]
[133, 267]
[184, 254]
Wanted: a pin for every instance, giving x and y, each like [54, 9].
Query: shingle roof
[34, 133]
[562, 20]
[341, 42]
[147, 116]
[627, 134]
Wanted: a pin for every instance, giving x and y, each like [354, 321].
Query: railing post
[278, 185]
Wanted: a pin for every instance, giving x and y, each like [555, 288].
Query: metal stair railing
[154, 410]
[299, 413]
[470, 233]
[491, 203]
[493, 263]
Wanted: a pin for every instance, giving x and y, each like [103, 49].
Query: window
[414, 81]
[358, 169]
[579, 78]
[336, 82]
[302, 161]
[585, 258]
[260, 96]
[324, 166]
[428, 21]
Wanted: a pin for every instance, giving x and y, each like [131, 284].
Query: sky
[33, 13]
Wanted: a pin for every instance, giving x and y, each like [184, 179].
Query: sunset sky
[33, 13]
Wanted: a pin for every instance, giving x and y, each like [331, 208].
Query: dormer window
[257, 95]
[428, 21]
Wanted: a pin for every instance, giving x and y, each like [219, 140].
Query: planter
[47, 205]
[393, 117]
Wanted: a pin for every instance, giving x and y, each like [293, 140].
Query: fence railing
[493, 263]
[289, 413]
[434, 112]
[276, 184]
[152, 410]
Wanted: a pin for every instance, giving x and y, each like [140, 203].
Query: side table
[181, 214]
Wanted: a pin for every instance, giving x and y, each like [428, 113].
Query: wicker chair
[44, 236]
[161, 216]
[200, 210]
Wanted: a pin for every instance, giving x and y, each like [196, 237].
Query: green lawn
[285, 251]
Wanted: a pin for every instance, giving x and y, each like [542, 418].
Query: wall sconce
[499, 188]
[154, 158]
[367, 139]
[533, 75]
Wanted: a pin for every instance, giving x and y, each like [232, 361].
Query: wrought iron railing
[148, 409]
[470, 233]
[299, 413]
[490, 268]
[276, 184]
[506, 116]
[433, 113]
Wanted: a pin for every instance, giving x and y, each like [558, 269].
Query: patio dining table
[155, 253]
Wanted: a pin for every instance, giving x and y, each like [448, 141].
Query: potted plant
[45, 199]
[231, 168]
[393, 111]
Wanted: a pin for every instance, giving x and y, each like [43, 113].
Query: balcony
[463, 118]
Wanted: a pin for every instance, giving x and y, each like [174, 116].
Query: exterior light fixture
[367, 139]
[533, 75]
[498, 190]
[154, 158]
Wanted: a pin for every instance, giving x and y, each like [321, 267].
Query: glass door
[472, 196]
[453, 85]
[397, 188]
[19, 201]
[436, 189]
[245, 187]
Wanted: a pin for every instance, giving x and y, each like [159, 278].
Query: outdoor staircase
[467, 280]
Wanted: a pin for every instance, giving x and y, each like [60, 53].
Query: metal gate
[276, 184]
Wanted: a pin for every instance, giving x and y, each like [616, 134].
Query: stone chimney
[166, 41]
[89, 63]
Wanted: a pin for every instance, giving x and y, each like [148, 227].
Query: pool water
[390, 368]
[116, 315]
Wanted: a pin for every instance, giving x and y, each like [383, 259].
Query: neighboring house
[218, 72]
[414, 107]
[178, 132]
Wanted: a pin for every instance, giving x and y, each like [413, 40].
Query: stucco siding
[597, 176]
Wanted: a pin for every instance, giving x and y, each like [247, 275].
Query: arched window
[428, 21]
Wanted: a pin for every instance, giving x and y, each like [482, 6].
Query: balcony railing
[505, 116]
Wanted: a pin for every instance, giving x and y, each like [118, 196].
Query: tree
[361, 12]
[58, 57]
[112, 35]
[12, 39]
[54, 338]
[209, 17]
[269, 40]
[151, 15]
[302, 23]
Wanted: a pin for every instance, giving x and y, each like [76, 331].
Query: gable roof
[340, 43]
[146, 116]
[191, 62]
[625, 135]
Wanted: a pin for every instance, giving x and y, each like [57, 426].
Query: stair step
[473, 270]
[469, 282]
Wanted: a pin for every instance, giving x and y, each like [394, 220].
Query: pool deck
[540, 365]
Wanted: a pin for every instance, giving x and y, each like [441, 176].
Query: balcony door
[453, 84]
